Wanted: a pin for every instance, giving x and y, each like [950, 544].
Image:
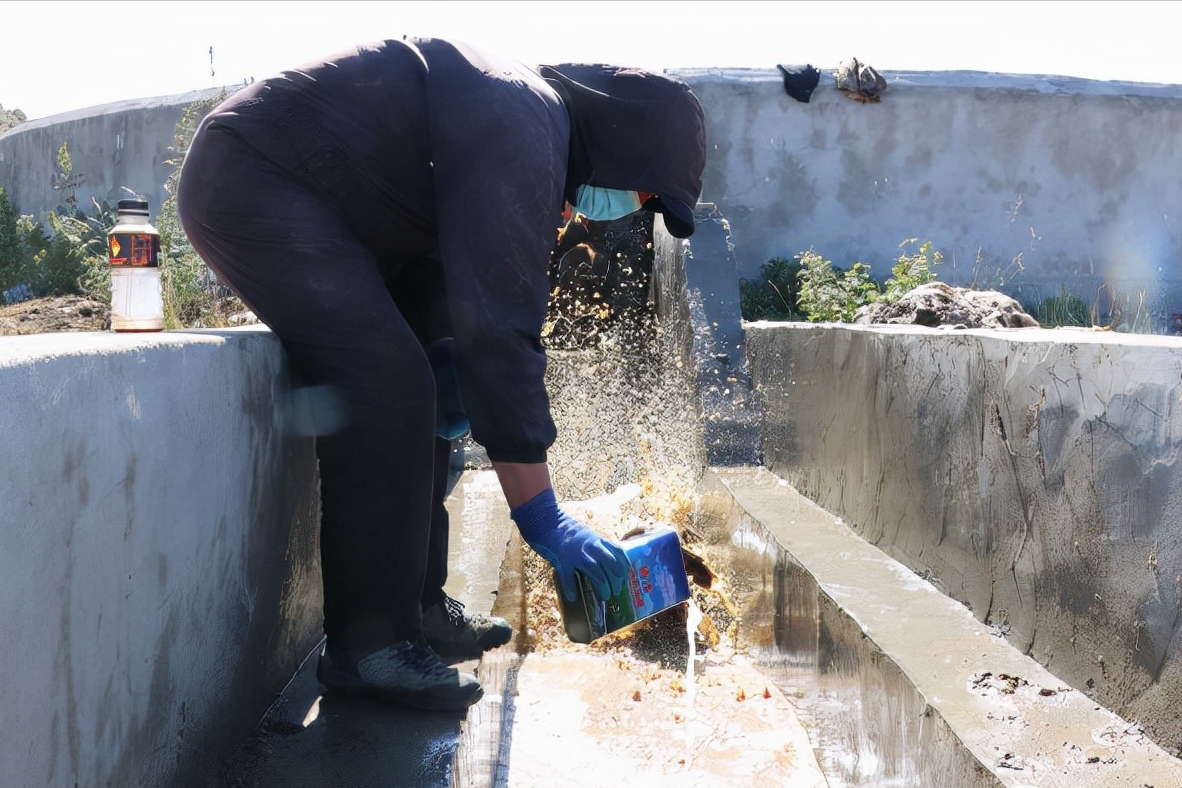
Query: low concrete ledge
[928, 696]
[1031, 474]
[159, 575]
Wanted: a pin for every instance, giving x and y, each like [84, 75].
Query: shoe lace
[423, 659]
[454, 609]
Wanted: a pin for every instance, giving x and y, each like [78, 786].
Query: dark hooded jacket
[450, 160]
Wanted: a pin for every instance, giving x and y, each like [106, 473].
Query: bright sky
[57, 56]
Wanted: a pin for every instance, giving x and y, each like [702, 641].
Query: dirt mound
[53, 314]
[937, 304]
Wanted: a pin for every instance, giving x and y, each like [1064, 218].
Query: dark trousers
[335, 305]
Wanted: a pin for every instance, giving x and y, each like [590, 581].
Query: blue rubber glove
[571, 546]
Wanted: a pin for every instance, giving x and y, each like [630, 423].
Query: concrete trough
[955, 553]
[890, 680]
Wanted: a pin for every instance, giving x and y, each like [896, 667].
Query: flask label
[134, 249]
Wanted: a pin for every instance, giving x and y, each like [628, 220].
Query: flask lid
[134, 207]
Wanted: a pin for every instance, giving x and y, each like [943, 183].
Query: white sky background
[57, 56]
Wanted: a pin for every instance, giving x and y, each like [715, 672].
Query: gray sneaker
[407, 673]
[456, 635]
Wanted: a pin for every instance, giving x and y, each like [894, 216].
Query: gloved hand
[571, 546]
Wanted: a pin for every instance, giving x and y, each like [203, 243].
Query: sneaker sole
[351, 685]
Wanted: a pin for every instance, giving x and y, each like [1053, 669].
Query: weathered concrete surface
[1031, 474]
[921, 694]
[309, 739]
[695, 289]
[1074, 176]
[127, 144]
[158, 560]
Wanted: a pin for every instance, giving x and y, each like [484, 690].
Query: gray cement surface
[1029, 474]
[594, 717]
[955, 703]
[981, 713]
[313, 739]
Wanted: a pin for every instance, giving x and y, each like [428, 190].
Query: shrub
[1064, 309]
[910, 271]
[829, 294]
[57, 255]
[774, 296]
[193, 297]
[14, 254]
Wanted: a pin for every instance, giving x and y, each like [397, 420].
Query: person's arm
[521, 481]
[499, 143]
[499, 147]
[566, 543]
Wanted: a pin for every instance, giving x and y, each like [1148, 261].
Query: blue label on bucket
[656, 581]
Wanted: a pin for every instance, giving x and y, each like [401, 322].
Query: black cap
[679, 217]
[133, 206]
[634, 130]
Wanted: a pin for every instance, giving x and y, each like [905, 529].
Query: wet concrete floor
[309, 739]
[846, 670]
[586, 717]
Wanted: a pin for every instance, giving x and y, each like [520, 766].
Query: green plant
[829, 294]
[774, 295]
[95, 281]
[63, 256]
[54, 256]
[910, 271]
[1064, 309]
[57, 264]
[14, 254]
[192, 295]
[67, 180]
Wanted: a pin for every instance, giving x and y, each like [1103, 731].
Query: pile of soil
[54, 314]
[938, 305]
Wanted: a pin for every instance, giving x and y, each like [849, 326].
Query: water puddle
[669, 701]
[684, 698]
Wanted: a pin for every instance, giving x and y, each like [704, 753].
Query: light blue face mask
[603, 205]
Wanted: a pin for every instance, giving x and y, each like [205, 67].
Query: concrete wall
[1032, 474]
[1074, 179]
[1079, 178]
[695, 290]
[113, 147]
[159, 574]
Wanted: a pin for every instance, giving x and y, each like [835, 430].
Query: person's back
[357, 127]
[398, 200]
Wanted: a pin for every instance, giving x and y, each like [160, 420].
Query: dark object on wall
[859, 81]
[800, 81]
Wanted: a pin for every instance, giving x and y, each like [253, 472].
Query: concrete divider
[159, 578]
[1031, 474]
[899, 684]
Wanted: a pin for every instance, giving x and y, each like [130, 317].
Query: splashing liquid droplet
[693, 617]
